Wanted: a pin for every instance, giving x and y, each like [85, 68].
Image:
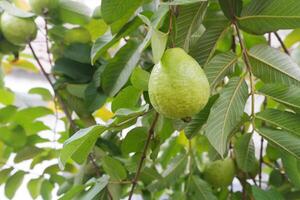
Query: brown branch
[150, 134]
[285, 49]
[47, 42]
[260, 161]
[60, 100]
[249, 69]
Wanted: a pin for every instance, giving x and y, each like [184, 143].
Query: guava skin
[178, 87]
[18, 31]
[220, 173]
[43, 7]
[77, 35]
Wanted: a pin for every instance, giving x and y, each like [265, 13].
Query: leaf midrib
[228, 108]
[264, 135]
[272, 66]
[223, 70]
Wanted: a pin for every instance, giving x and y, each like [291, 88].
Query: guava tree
[182, 99]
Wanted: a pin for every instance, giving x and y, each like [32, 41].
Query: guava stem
[150, 134]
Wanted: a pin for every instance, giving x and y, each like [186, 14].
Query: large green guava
[16, 30]
[220, 173]
[178, 87]
[77, 35]
[43, 7]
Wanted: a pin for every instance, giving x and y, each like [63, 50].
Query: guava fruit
[77, 35]
[43, 7]
[178, 87]
[16, 30]
[6, 47]
[220, 173]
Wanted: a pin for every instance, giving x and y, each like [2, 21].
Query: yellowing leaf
[21, 63]
[182, 139]
[104, 114]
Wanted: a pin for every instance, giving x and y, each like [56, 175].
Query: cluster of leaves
[101, 70]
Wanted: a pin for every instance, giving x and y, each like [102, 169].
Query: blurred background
[20, 81]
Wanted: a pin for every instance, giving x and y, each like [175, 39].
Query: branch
[285, 49]
[150, 134]
[260, 161]
[47, 42]
[64, 107]
[249, 69]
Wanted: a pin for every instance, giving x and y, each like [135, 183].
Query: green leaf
[43, 92]
[188, 21]
[7, 113]
[13, 183]
[283, 140]
[99, 185]
[226, 113]
[96, 27]
[80, 144]
[283, 119]
[78, 52]
[79, 72]
[4, 174]
[171, 174]
[73, 192]
[46, 190]
[127, 98]
[120, 67]
[140, 78]
[231, 8]
[204, 47]
[261, 17]
[13, 136]
[219, 66]
[273, 66]
[34, 187]
[245, 153]
[104, 42]
[292, 38]
[134, 140]
[7, 97]
[199, 189]
[271, 194]
[27, 153]
[292, 169]
[119, 12]
[288, 95]
[182, 2]
[158, 43]
[199, 119]
[74, 12]
[113, 168]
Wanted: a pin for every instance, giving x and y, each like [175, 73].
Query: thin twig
[150, 134]
[260, 160]
[47, 42]
[64, 107]
[285, 49]
[249, 69]
[96, 167]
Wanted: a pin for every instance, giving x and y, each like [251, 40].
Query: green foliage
[109, 137]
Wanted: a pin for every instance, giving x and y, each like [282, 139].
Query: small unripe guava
[178, 87]
[220, 173]
[77, 35]
[43, 7]
[16, 30]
